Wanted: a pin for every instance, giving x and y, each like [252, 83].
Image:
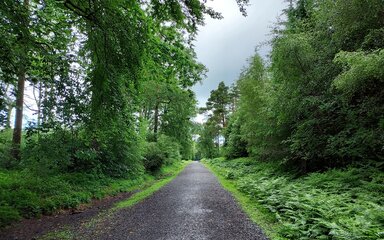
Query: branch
[90, 16]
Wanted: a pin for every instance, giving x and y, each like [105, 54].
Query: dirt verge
[34, 228]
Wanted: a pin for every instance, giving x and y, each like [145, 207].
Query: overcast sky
[223, 46]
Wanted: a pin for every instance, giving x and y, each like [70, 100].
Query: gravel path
[193, 206]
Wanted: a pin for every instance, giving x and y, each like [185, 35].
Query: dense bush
[5, 148]
[170, 147]
[153, 157]
[336, 204]
[164, 151]
[62, 151]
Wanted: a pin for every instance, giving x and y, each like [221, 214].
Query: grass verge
[160, 179]
[169, 173]
[26, 195]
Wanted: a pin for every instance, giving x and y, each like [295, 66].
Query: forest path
[193, 206]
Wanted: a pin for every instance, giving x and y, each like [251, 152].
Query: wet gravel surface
[193, 206]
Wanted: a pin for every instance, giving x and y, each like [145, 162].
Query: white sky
[224, 46]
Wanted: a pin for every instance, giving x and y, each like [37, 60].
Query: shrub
[170, 148]
[49, 152]
[154, 157]
[7, 214]
[164, 151]
[5, 148]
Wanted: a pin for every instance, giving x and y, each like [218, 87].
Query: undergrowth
[26, 195]
[336, 204]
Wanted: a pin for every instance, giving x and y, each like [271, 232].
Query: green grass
[337, 204]
[169, 173]
[64, 234]
[25, 195]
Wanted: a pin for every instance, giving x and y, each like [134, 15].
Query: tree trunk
[16, 140]
[38, 104]
[156, 121]
[19, 115]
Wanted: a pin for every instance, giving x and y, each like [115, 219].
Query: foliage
[153, 157]
[218, 105]
[59, 151]
[235, 146]
[207, 143]
[5, 146]
[337, 204]
[221, 103]
[360, 67]
[92, 67]
[319, 103]
[162, 152]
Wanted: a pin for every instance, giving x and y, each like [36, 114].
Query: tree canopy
[318, 102]
[107, 76]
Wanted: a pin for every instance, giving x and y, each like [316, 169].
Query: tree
[235, 145]
[22, 43]
[29, 44]
[168, 108]
[88, 61]
[254, 112]
[234, 95]
[319, 103]
[218, 105]
[207, 142]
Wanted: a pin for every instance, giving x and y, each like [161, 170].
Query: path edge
[67, 233]
[247, 205]
[149, 191]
